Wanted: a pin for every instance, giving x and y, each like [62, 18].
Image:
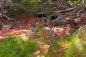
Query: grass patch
[18, 47]
[15, 47]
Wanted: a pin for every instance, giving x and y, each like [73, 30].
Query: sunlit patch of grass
[71, 47]
[26, 47]
[82, 35]
[10, 49]
[76, 49]
[15, 47]
[75, 41]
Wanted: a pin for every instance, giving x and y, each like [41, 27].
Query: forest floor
[29, 37]
[23, 24]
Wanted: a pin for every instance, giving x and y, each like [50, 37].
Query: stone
[59, 21]
[48, 31]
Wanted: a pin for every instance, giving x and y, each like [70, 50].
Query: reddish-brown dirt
[25, 23]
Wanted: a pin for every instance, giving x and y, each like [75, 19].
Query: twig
[67, 10]
[3, 15]
[7, 17]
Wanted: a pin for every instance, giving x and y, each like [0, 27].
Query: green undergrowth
[26, 47]
[16, 47]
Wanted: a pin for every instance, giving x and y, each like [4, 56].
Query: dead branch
[4, 16]
[67, 10]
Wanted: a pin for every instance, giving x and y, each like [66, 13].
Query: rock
[48, 31]
[59, 21]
